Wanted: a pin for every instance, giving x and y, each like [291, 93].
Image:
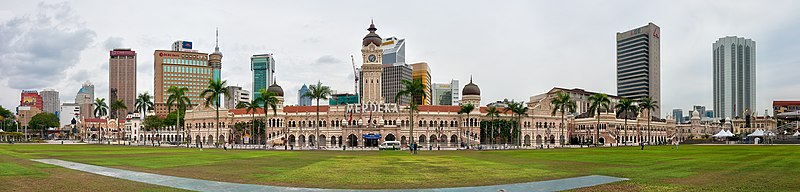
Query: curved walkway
[206, 185]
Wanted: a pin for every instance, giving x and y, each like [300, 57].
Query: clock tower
[372, 67]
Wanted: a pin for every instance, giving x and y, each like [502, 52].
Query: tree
[466, 109]
[318, 92]
[242, 105]
[5, 117]
[42, 121]
[117, 106]
[215, 89]
[647, 104]
[562, 103]
[152, 124]
[599, 101]
[626, 107]
[177, 97]
[268, 100]
[250, 108]
[492, 112]
[414, 87]
[518, 109]
[100, 109]
[144, 102]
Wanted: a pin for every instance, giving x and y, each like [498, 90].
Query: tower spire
[216, 43]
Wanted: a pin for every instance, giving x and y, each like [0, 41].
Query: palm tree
[648, 104]
[100, 109]
[177, 97]
[518, 109]
[410, 88]
[318, 92]
[466, 109]
[250, 108]
[215, 89]
[625, 107]
[117, 106]
[144, 102]
[598, 102]
[562, 103]
[492, 112]
[268, 100]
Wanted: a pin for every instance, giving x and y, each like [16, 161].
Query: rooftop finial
[470, 78]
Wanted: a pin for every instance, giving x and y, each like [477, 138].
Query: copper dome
[471, 89]
[275, 88]
[372, 37]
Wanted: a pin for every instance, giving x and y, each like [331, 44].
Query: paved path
[206, 185]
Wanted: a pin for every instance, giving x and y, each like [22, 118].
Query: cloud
[38, 48]
[112, 43]
[327, 59]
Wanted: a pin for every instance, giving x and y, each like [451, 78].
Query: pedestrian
[676, 144]
[225, 146]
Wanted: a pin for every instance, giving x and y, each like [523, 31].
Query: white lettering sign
[372, 107]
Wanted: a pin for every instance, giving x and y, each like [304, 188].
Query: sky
[512, 49]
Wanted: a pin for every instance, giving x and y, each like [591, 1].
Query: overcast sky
[513, 49]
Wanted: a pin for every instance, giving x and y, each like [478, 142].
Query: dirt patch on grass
[617, 187]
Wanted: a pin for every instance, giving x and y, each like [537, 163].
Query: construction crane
[355, 74]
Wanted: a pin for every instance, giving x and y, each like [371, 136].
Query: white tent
[757, 133]
[723, 133]
[796, 133]
[729, 133]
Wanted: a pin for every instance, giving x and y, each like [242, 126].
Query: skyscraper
[235, 95]
[122, 79]
[639, 64]
[31, 98]
[392, 78]
[422, 72]
[50, 101]
[303, 100]
[215, 61]
[394, 51]
[678, 114]
[263, 68]
[446, 93]
[734, 76]
[85, 99]
[180, 69]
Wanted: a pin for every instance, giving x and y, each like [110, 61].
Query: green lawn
[692, 168]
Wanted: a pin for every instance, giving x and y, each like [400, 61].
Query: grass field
[660, 168]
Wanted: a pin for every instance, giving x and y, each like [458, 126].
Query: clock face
[372, 58]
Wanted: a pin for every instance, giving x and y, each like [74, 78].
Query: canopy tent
[723, 133]
[757, 133]
[796, 133]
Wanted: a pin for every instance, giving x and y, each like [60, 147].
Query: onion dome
[275, 88]
[372, 37]
[471, 89]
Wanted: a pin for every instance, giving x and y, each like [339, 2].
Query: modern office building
[263, 68]
[446, 93]
[50, 101]
[31, 98]
[235, 95]
[343, 99]
[639, 64]
[180, 69]
[700, 109]
[393, 76]
[68, 112]
[371, 68]
[302, 99]
[422, 71]
[183, 46]
[709, 114]
[122, 79]
[678, 114]
[85, 99]
[394, 51]
[734, 60]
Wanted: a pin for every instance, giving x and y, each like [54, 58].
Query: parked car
[390, 145]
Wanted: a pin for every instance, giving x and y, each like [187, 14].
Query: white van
[390, 145]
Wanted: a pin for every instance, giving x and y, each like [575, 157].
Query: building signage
[186, 45]
[372, 107]
[183, 55]
[123, 53]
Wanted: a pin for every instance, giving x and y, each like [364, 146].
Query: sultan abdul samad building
[374, 121]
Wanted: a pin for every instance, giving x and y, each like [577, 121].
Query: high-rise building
[700, 110]
[235, 95]
[302, 99]
[446, 93]
[422, 72]
[734, 76]
[393, 76]
[639, 64]
[371, 68]
[69, 111]
[709, 114]
[180, 69]
[85, 99]
[678, 114]
[122, 79]
[394, 51]
[263, 68]
[31, 98]
[343, 99]
[183, 46]
[50, 101]
[215, 61]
